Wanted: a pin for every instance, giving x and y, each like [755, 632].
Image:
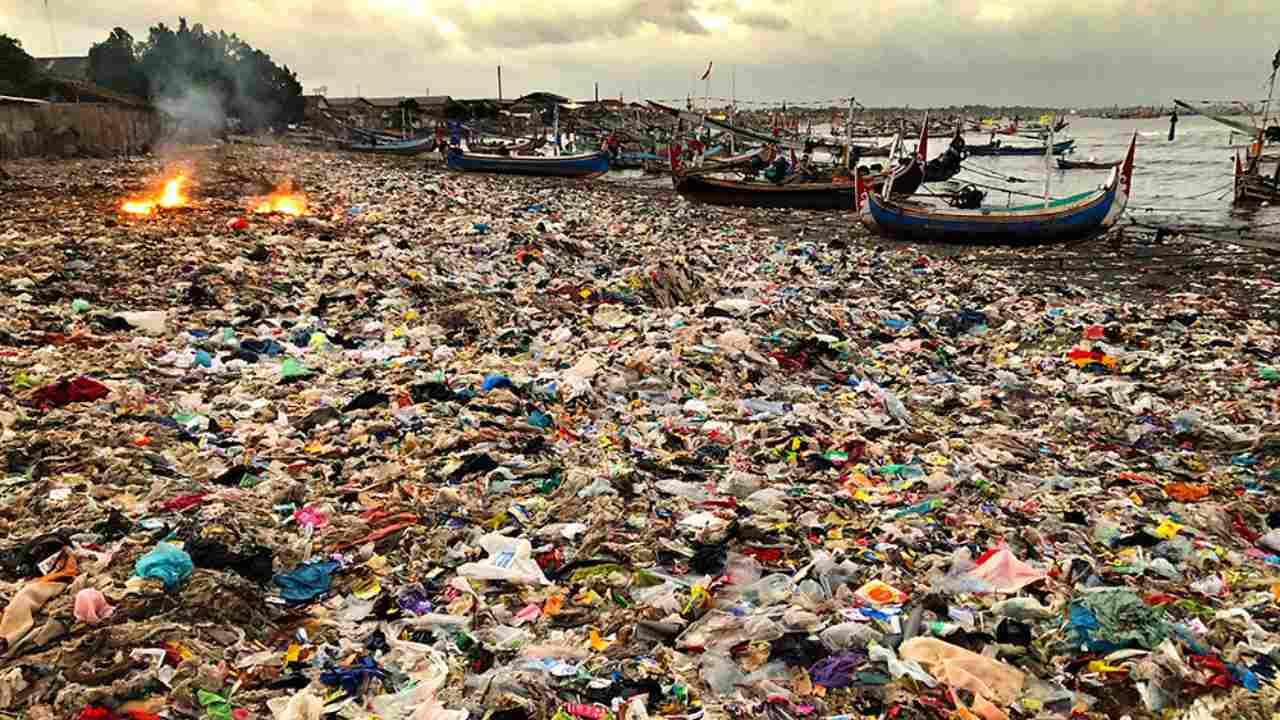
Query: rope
[994, 175]
[1007, 190]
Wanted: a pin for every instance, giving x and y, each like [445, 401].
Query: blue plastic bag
[165, 562]
[306, 582]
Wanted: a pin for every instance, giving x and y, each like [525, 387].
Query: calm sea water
[1186, 181]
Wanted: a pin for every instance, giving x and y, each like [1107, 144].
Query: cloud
[525, 26]
[763, 21]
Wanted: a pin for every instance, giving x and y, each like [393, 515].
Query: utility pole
[499, 83]
[597, 93]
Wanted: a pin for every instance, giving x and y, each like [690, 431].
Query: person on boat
[804, 169]
[612, 146]
[777, 172]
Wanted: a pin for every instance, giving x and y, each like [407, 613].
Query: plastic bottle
[720, 673]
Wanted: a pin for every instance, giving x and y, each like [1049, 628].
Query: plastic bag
[988, 679]
[510, 560]
[1004, 572]
[900, 668]
[165, 562]
[846, 636]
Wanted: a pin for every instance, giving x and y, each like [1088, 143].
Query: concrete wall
[65, 129]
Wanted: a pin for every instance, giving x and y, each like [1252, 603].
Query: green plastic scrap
[292, 368]
[214, 704]
[1269, 374]
[1118, 617]
[596, 571]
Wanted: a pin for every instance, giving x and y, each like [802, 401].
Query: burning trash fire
[172, 196]
[283, 201]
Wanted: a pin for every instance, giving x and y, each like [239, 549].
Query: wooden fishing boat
[1072, 218]
[396, 147]
[834, 194]
[1001, 150]
[755, 194]
[797, 194]
[1064, 164]
[1251, 186]
[583, 165]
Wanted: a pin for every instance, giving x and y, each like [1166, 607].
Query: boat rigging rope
[993, 175]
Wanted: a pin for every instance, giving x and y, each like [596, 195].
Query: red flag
[706, 74]
[1126, 168]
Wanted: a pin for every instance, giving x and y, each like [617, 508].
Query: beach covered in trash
[421, 445]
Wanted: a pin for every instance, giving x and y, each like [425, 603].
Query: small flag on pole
[706, 74]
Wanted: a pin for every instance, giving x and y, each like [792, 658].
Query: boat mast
[893, 165]
[556, 116]
[1266, 109]
[848, 136]
[1048, 162]
[733, 110]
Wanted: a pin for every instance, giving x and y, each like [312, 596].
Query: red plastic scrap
[65, 392]
[1220, 675]
[1242, 529]
[182, 502]
[380, 533]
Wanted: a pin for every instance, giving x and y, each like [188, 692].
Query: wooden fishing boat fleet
[882, 197]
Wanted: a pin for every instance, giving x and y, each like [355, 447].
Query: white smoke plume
[194, 115]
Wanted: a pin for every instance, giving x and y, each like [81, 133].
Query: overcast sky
[886, 52]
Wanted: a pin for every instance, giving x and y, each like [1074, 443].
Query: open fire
[283, 201]
[172, 196]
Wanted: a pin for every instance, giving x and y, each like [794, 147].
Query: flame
[283, 201]
[172, 196]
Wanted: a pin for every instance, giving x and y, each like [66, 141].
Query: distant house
[435, 106]
[351, 110]
[67, 68]
[82, 91]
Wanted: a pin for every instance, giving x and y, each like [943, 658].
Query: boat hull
[996, 228]
[1256, 188]
[1085, 165]
[1009, 151]
[789, 196]
[572, 166]
[797, 196]
[1074, 218]
[409, 147]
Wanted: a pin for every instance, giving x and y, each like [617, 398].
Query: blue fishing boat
[584, 165]
[1062, 220]
[393, 147]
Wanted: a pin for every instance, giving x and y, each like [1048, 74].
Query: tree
[18, 70]
[113, 64]
[190, 62]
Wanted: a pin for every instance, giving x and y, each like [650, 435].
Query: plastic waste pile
[516, 449]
